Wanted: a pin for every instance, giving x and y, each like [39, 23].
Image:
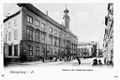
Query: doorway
[10, 51]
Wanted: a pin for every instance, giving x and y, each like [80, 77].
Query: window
[51, 29]
[55, 41]
[15, 22]
[15, 34]
[15, 50]
[55, 31]
[30, 50]
[55, 50]
[51, 50]
[43, 26]
[64, 43]
[43, 50]
[29, 34]
[58, 42]
[10, 50]
[37, 50]
[51, 39]
[37, 36]
[59, 33]
[6, 37]
[29, 19]
[9, 25]
[37, 22]
[9, 36]
[43, 37]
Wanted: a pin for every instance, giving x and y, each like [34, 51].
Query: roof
[11, 16]
[44, 16]
[73, 34]
[39, 13]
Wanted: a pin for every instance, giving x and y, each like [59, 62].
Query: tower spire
[66, 18]
[66, 10]
[66, 6]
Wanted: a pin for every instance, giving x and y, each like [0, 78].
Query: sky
[86, 19]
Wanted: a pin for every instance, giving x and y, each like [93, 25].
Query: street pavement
[84, 62]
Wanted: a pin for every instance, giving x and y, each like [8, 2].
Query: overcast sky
[86, 19]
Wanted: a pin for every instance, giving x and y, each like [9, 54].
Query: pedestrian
[94, 62]
[100, 63]
[79, 61]
[104, 60]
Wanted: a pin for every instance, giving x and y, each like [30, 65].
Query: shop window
[37, 50]
[10, 51]
[30, 50]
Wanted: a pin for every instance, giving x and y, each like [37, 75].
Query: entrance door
[10, 51]
[15, 50]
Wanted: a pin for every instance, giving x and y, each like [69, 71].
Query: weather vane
[66, 6]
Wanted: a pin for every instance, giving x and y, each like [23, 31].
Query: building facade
[87, 49]
[108, 36]
[29, 34]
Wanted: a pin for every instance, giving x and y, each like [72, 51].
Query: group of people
[96, 62]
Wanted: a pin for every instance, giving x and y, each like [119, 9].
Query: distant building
[87, 49]
[30, 34]
[108, 36]
[100, 52]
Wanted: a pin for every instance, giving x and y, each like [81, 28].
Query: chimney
[47, 12]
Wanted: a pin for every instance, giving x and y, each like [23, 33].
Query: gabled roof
[39, 13]
[11, 16]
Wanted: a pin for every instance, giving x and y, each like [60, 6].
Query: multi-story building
[108, 36]
[29, 34]
[87, 49]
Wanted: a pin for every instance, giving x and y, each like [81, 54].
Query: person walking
[100, 63]
[79, 61]
[95, 62]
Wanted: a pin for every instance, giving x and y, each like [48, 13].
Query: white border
[56, 73]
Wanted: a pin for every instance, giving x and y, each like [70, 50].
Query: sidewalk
[37, 62]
